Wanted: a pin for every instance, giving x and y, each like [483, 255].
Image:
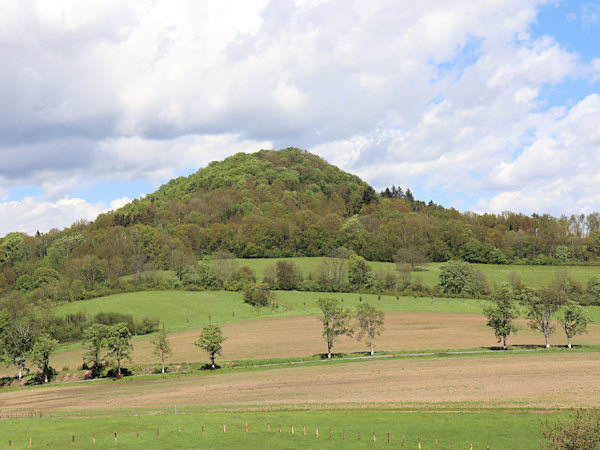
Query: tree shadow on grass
[209, 366]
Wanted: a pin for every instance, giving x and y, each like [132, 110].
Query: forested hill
[279, 204]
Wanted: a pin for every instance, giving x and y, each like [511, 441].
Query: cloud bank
[447, 99]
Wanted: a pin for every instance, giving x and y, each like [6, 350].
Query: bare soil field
[502, 380]
[297, 336]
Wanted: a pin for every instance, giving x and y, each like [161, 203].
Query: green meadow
[181, 310]
[161, 429]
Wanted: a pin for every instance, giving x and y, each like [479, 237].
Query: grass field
[534, 276]
[458, 430]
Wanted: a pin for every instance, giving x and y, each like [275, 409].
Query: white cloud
[400, 92]
[33, 214]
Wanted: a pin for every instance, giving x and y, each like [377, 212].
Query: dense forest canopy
[277, 204]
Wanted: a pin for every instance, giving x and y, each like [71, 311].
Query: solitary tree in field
[413, 256]
[210, 341]
[42, 349]
[370, 321]
[542, 304]
[336, 321]
[117, 342]
[573, 320]
[162, 348]
[501, 312]
[94, 340]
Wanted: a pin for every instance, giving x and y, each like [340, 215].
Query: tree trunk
[119, 367]
[547, 336]
[163, 365]
[371, 346]
[569, 340]
[20, 369]
[504, 341]
[212, 361]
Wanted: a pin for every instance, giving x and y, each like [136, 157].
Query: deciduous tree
[501, 312]
[370, 321]
[542, 305]
[211, 340]
[118, 343]
[573, 319]
[41, 351]
[162, 348]
[336, 321]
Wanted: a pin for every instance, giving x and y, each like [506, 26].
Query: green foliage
[542, 304]
[359, 272]
[573, 319]
[162, 348]
[288, 275]
[210, 341]
[258, 295]
[118, 343]
[501, 312]
[42, 349]
[583, 432]
[456, 277]
[370, 322]
[335, 320]
[94, 340]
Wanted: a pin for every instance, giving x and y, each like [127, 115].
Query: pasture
[533, 276]
[198, 429]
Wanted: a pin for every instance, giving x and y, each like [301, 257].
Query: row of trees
[542, 306]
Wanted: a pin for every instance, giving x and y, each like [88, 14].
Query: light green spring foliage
[336, 321]
[370, 322]
[501, 312]
[211, 340]
[162, 347]
[573, 320]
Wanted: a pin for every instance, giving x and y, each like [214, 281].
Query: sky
[484, 106]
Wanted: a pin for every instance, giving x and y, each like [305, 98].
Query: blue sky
[484, 106]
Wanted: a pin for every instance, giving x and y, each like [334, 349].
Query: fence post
[359, 435]
[224, 428]
[246, 427]
[94, 438]
[317, 431]
[329, 432]
[388, 437]
[402, 440]
[292, 429]
[280, 428]
[420, 444]
[436, 447]
[73, 440]
[180, 429]
[374, 438]
[157, 432]
[115, 436]
[268, 426]
[304, 429]
[344, 434]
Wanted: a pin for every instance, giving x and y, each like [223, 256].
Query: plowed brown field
[298, 336]
[517, 380]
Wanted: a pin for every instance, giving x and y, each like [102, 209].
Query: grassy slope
[535, 276]
[180, 310]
